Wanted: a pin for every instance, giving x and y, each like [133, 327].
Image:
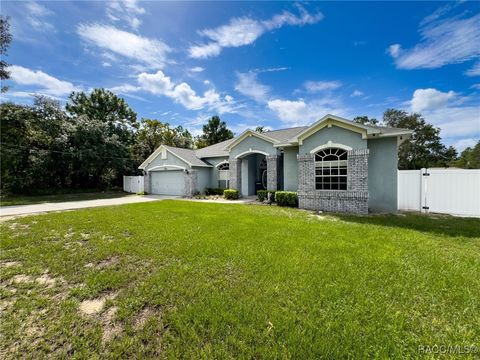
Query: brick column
[236, 174]
[306, 173]
[272, 166]
[357, 170]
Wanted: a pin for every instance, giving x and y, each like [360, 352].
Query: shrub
[213, 191]
[262, 195]
[231, 194]
[286, 198]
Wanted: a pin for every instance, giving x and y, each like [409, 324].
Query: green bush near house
[272, 195]
[231, 194]
[262, 195]
[214, 191]
[286, 198]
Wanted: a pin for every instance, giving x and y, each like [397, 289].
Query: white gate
[448, 191]
[133, 184]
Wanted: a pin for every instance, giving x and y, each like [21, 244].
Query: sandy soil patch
[94, 306]
[142, 317]
[7, 264]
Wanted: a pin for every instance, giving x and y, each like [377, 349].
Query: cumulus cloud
[151, 52]
[197, 69]
[248, 85]
[245, 30]
[427, 99]
[316, 86]
[300, 112]
[394, 50]
[45, 84]
[449, 41]
[160, 84]
[125, 11]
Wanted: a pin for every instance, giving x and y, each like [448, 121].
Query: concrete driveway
[18, 210]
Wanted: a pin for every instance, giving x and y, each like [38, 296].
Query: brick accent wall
[236, 174]
[272, 170]
[352, 200]
[191, 183]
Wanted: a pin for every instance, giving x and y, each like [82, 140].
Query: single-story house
[333, 165]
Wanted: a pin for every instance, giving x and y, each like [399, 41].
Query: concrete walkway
[18, 210]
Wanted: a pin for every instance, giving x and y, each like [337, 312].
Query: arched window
[331, 169]
[223, 175]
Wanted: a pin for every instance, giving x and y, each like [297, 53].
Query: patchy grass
[39, 199]
[182, 279]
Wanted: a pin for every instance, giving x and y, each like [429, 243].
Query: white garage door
[169, 182]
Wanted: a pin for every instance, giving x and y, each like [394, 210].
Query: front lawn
[39, 199]
[174, 279]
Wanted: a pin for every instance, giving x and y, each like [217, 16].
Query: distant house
[333, 164]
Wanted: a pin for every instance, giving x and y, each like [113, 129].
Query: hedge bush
[272, 196]
[262, 195]
[286, 198]
[213, 191]
[231, 194]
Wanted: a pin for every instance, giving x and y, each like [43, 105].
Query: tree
[260, 129]
[108, 125]
[5, 40]
[365, 120]
[469, 158]
[154, 133]
[424, 148]
[214, 131]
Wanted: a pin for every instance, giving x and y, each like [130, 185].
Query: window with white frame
[223, 175]
[331, 169]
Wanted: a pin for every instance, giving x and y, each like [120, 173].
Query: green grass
[198, 280]
[39, 199]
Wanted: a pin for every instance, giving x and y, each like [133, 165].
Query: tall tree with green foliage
[365, 120]
[424, 148]
[469, 158]
[153, 133]
[214, 131]
[103, 135]
[5, 40]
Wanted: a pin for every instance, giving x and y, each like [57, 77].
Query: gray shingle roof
[216, 150]
[187, 155]
[283, 135]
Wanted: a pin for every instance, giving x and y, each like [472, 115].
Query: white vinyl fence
[448, 191]
[133, 184]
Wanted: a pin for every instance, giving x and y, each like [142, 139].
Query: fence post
[424, 190]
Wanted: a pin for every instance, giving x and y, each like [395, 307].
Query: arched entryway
[251, 172]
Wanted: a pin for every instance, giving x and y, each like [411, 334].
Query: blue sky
[276, 64]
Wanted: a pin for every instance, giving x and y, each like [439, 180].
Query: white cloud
[245, 30]
[36, 15]
[106, 64]
[197, 69]
[315, 86]
[125, 11]
[394, 50]
[475, 86]
[47, 84]
[160, 84]
[357, 93]
[443, 42]
[427, 99]
[474, 70]
[299, 112]
[151, 52]
[248, 85]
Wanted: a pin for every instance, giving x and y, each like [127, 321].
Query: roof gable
[248, 133]
[186, 155]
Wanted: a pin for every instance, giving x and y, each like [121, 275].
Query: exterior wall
[382, 174]
[334, 134]
[252, 173]
[203, 178]
[354, 199]
[170, 160]
[213, 171]
[290, 169]
[191, 183]
[253, 143]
